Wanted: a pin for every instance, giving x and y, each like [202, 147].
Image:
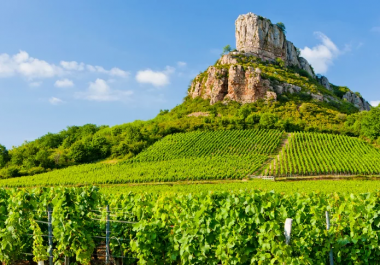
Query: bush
[268, 120]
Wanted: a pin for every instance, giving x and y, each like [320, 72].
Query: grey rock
[258, 36]
[291, 55]
[304, 64]
[325, 82]
[358, 102]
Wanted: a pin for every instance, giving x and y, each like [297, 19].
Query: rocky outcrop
[324, 82]
[241, 85]
[287, 88]
[292, 55]
[228, 59]
[233, 79]
[304, 64]
[257, 35]
[358, 101]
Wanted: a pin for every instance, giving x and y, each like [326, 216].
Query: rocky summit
[242, 75]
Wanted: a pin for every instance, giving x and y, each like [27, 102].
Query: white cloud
[35, 84]
[375, 103]
[155, 78]
[32, 68]
[113, 72]
[24, 65]
[64, 83]
[55, 101]
[181, 64]
[101, 91]
[72, 66]
[322, 55]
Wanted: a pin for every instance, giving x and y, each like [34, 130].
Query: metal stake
[50, 236]
[108, 235]
[327, 228]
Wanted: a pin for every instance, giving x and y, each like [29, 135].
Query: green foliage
[233, 154]
[227, 49]
[370, 126]
[193, 227]
[268, 120]
[321, 154]
[280, 62]
[281, 26]
[4, 156]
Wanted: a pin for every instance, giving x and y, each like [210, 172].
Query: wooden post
[67, 260]
[108, 236]
[50, 236]
[331, 257]
[288, 230]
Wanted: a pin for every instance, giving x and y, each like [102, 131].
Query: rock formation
[244, 86]
[358, 101]
[292, 55]
[324, 82]
[258, 37]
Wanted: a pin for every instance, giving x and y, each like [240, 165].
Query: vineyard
[83, 225]
[321, 154]
[218, 143]
[234, 154]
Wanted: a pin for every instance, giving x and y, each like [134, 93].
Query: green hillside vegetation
[291, 113]
[320, 154]
[232, 154]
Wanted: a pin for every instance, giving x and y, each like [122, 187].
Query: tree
[282, 27]
[268, 120]
[4, 156]
[371, 124]
[227, 49]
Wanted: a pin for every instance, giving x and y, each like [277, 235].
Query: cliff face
[358, 101]
[258, 37]
[237, 84]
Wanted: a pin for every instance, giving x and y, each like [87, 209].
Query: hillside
[263, 84]
[224, 155]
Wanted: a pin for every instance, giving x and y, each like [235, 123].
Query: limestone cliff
[257, 36]
[236, 83]
[238, 75]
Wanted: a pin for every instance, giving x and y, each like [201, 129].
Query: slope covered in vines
[321, 154]
[233, 154]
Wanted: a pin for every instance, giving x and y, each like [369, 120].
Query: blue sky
[66, 63]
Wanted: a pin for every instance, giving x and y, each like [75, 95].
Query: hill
[224, 155]
[263, 84]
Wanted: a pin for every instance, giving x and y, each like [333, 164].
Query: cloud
[32, 68]
[101, 91]
[113, 72]
[55, 101]
[375, 103]
[181, 64]
[72, 66]
[64, 83]
[24, 65]
[322, 55]
[155, 78]
[35, 84]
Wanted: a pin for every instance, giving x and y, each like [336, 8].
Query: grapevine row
[322, 154]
